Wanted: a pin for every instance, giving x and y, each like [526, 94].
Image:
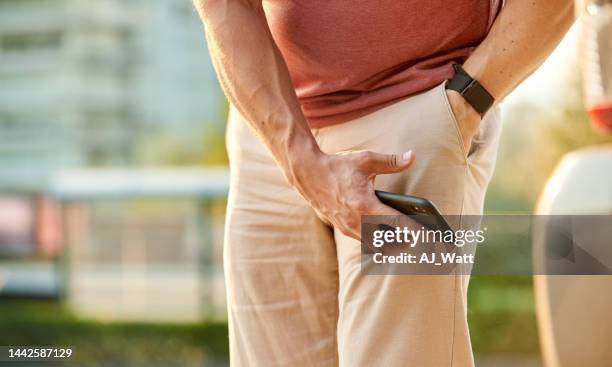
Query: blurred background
[113, 177]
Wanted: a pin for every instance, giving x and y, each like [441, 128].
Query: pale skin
[340, 187]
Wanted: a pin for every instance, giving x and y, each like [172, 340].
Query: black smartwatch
[472, 91]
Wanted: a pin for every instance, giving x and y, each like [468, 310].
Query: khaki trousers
[296, 296]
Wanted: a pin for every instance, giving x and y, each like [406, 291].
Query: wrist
[302, 160]
[474, 68]
[471, 90]
[477, 68]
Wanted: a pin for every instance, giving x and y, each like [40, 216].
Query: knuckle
[365, 157]
[349, 222]
[392, 160]
[352, 221]
[361, 206]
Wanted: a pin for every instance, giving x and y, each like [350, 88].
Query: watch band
[473, 92]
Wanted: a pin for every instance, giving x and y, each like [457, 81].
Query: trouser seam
[458, 276]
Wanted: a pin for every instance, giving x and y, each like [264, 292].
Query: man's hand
[468, 120]
[340, 187]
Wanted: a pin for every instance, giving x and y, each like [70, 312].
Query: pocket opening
[476, 140]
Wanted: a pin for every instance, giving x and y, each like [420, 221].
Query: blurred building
[87, 83]
[143, 244]
[82, 81]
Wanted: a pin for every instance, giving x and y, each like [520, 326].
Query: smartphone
[421, 209]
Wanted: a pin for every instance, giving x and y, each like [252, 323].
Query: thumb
[388, 163]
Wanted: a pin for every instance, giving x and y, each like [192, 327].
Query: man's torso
[348, 58]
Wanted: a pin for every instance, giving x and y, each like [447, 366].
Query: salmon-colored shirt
[348, 58]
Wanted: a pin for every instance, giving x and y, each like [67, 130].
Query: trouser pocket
[476, 140]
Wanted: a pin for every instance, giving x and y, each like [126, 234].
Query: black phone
[421, 209]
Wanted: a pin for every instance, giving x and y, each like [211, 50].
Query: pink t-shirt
[348, 58]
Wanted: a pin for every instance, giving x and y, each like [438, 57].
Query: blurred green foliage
[48, 323]
[204, 145]
[501, 318]
[501, 315]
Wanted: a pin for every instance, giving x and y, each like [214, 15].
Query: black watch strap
[473, 92]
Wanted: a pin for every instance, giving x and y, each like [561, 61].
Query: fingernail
[406, 157]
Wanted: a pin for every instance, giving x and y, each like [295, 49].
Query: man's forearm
[523, 35]
[255, 78]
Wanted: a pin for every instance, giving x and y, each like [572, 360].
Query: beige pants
[296, 296]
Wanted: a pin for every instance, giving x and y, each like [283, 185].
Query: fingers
[382, 209]
[386, 163]
[350, 224]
